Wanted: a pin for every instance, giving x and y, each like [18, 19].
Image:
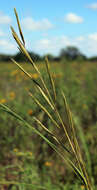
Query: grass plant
[71, 153]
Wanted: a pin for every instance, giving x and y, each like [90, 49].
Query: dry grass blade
[45, 97]
[71, 126]
[20, 67]
[53, 136]
[65, 131]
[24, 51]
[50, 78]
[69, 117]
[22, 48]
[76, 145]
[44, 109]
[36, 83]
[45, 128]
[21, 34]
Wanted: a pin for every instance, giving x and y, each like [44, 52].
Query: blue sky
[50, 25]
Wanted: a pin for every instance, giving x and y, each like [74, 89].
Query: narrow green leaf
[6, 109]
[68, 161]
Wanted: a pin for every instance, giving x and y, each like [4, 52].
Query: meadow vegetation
[20, 147]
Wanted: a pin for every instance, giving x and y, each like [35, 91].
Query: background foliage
[25, 156]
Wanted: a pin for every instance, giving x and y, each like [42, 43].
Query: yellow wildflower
[34, 75]
[48, 164]
[12, 95]
[2, 101]
[15, 150]
[22, 73]
[82, 187]
[57, 75]
[30, 112]
[15, 72]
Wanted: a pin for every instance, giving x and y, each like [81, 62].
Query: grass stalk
[79, 168]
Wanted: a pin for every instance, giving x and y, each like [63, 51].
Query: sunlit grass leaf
[50, 78]
[44, 109]
[35, 82]
[53, 135]
[21, 34]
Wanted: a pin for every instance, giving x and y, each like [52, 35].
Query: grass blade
[77, 148]
[75, 169]
[6, 109]
[36, 83]
[53, 136]
[20, 31]
[50, 78]
[44, 109]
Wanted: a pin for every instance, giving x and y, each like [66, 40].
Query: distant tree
[35, 56]
[5, 58]
[57, 59]
[71, 53]
[94, 58]
[20, 57]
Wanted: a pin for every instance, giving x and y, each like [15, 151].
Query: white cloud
[51, 45]
[92, 6]
[73, 18]
[92, 44]
[80, 38]
[86, 43]
[4, 19]
[93, 37]
[6, 46]
[30, 24]
[1, 33]
[44, 43]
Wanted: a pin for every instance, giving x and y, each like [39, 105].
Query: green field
[25, 157]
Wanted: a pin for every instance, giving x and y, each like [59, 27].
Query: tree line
[68, 53]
